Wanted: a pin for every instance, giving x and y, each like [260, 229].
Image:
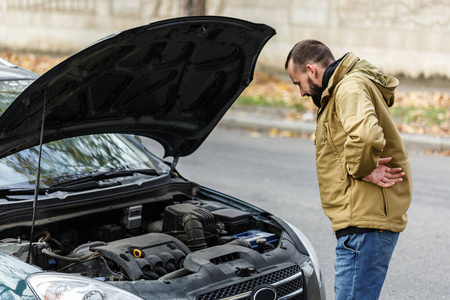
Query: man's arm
[365, 138]
[383, 175]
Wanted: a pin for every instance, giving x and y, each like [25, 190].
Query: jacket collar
[344, 65]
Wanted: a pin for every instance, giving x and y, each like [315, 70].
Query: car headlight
[56, 286]
[309, 247]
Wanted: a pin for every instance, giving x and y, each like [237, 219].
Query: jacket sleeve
[365, 139]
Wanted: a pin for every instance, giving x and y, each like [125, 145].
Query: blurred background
[405, 37]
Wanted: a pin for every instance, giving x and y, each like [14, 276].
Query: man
[362, 163]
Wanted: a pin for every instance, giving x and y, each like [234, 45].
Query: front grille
[288, 283]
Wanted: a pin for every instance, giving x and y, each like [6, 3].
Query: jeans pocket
[389, 236]
[347, 243]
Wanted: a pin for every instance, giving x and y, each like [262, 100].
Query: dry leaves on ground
[37, 63]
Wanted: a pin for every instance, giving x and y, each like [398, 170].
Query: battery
[252, 236]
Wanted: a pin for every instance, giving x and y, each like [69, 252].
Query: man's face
[304, 82]
[315, 91]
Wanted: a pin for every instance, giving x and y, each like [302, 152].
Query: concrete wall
[410, 37]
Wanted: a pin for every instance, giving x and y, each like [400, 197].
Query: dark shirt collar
[329, 72]
[326, 77]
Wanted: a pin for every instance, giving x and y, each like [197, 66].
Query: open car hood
[171, 81]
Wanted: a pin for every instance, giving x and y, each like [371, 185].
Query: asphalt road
[278, 174]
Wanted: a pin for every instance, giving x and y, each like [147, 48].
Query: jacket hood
[171, 81]
[352, 64]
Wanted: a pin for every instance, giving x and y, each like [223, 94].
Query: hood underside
[171, 81]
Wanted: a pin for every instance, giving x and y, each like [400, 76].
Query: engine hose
[45, 236]
[57, 243]
[70, 259]
[194, 232]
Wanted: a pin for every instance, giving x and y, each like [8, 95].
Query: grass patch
[424, 115]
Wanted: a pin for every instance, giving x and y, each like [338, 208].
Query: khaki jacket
[355, 129]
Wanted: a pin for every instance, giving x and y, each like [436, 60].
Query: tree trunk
[194, 7]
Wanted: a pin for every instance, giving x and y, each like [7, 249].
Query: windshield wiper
[93, 180]
[80, 184]
[9, 193]
[20, 191]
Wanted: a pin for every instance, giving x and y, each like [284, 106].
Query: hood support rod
[38, 176]
[174, 162]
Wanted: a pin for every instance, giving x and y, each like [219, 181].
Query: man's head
[306, 63]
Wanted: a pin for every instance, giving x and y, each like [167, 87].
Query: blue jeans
[361, 265]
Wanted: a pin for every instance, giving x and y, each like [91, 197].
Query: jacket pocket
[385, 204]
[328, 139]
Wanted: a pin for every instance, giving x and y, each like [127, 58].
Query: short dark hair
[308, 52]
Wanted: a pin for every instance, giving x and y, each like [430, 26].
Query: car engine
[145, 241]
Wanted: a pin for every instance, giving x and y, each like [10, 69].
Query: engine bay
[142, 242]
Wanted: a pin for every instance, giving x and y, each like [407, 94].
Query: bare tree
[194, 7]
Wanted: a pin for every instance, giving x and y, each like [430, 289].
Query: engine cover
[147, 256]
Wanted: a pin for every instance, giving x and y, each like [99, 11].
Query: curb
[264, 120]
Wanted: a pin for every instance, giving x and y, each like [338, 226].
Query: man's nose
[302, 92]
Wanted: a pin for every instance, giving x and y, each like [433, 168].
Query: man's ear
[311, 69]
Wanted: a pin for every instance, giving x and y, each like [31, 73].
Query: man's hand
[384, 176]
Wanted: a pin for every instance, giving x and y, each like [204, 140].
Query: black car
[87, 212]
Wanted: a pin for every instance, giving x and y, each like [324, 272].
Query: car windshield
[77, 157]
[72, 158]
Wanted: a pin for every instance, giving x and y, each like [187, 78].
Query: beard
[315, 92]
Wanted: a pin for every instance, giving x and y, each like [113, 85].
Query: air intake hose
[195, 234]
